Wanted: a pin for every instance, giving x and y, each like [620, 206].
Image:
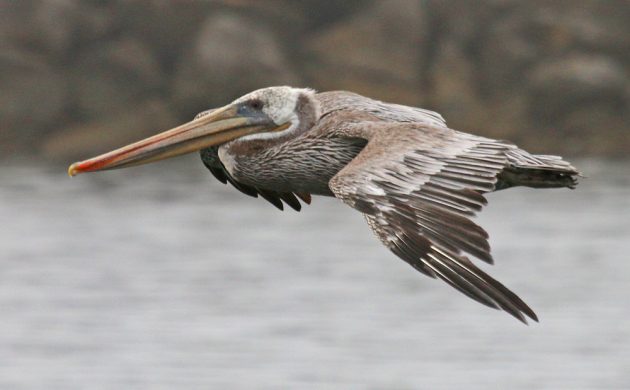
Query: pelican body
[417, 182]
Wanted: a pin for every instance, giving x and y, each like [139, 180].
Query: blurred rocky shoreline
[81, 77]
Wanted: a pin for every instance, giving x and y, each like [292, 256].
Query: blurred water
[160, 278]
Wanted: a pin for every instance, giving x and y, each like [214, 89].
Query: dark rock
[231, 55]
[453, 88]
[569, 84]
[33, 95]
[42, 26]
[318, 13]
[111, 76]
[165, 28]
[512, 44]
[377, 53]
[98, 21]
[526, 33]
[582, 94]
[463, 21]
[93, 137]
[55, 28]
[594, 26]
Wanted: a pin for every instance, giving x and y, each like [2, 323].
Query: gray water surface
[161, 278]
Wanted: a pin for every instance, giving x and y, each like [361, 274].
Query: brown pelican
[416, 181]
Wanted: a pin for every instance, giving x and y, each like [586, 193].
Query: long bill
[220, 126]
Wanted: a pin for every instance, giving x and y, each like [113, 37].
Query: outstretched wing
[210, 158]
[418, 186]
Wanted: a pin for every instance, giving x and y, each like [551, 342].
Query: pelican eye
[256, 104]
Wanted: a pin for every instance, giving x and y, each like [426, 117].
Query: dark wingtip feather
[217, 171]
[305, 196]
[272, 198]
[247, 190]
[291, 200]
[219, 174]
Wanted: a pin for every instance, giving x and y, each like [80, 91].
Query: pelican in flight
[417, 182]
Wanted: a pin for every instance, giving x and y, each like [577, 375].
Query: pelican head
[280, 104]
[264, 113]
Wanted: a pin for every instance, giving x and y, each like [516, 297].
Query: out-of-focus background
[161, 277]
[82, 76]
